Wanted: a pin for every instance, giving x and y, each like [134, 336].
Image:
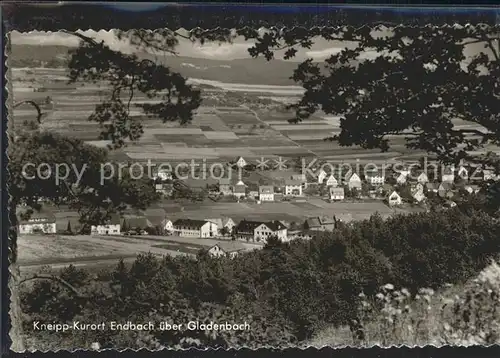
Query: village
[402, 190]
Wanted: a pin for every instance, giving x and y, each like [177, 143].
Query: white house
[195, 228]
[266, 193]
[260, 231]
[268, 229]
[302, 178]
[42, 221]
[112, 227]
[332, 181]
[321, 176]
[240, 162]
[472, 189]
[463, 173]
[489, 175]
[228, 223]
[168, 225]
[422, 178]
[164, 174]
[448, 175]
[394, 199]
[225, 249]
[419, 196]
[375, 177]
[293, 187]
[337, 193]
[417, 187]
[239, 190]
[354, 182]
[401, 178]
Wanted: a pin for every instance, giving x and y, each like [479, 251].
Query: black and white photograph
[254, 188]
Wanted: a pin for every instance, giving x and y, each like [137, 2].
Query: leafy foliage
[286, 291]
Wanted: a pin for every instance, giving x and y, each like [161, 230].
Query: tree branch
[57, 279]
[34, 104]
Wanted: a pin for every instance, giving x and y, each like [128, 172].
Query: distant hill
[248, 71]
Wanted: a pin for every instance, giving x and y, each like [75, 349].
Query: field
[216, 134]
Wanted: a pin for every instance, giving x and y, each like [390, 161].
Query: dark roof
[229, 246]
[136, 222]
[44, 214]
[293, 182]
[190, 223]
[445, 186]
[319, 220]
[248, 226]
[113, 220]
[337, 190]
[266, 189]
[373, 173]
[240, 188]
[275, 225]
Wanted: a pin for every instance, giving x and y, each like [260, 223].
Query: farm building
[111, 227]
[394, 199]
[320, 223]
[226, 249]
[195, 228]
[266, 193]
[337, 193]
[43, 221]
[293, 187]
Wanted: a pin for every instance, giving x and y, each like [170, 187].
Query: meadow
[216, 134]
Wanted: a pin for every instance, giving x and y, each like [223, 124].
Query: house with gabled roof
[321, 175]
[445, 190]
[418, 196]
[195, 228]
[226, 249]
[43, 221]
[260, 231]
[240, 190]
[332, 181]
[320, 223]
[301, 178]
[463, 172]
[394, 199]
[266, 193]
[375, 177]
[423, 178]
[293, 187]
[448, 175]
[337, 193]
[401, 178]
[111, 226]
[354, 181]
[241, 162]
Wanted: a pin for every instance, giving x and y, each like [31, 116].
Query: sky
[320, 49]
